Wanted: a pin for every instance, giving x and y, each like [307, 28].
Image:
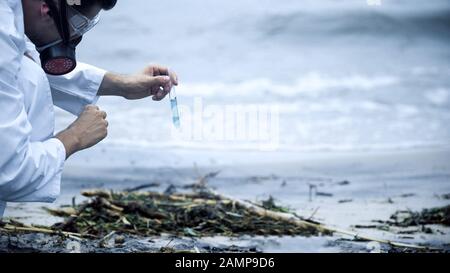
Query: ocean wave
[370, 23]
[312, 84]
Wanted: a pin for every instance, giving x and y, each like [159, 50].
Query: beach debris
[171, 189]
[144, 186]
[312, 191]
[260, 179]
[446, 196]
[189, 214]
[119, 240]
[207, 213]
[61, 212]
[324, 194]
[408, 218]
[366, 226]
[201, 213]
[406, 195]
[104, 241]
[270, 205]
[202, 182]
[343, 183]
[13, 226]
[314, 213]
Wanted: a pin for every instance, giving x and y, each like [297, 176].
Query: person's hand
[154, 80]
[89, 129]
[158, 71]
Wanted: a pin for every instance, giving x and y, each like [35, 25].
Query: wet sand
[343, 190]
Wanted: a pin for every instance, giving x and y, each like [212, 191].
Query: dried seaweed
[194, 215]
[439, 216]
[270, 205]
[198, 214]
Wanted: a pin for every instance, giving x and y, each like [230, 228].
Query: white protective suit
[31, 159]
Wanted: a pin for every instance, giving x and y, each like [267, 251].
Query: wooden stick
[11, 228]
[294, 219]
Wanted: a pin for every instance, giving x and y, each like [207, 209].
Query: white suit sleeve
[29, 171]
[72, 92]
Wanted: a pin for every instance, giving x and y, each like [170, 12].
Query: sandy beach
[350, 191]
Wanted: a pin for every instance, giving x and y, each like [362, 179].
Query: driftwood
[8, 228]
[322, 228]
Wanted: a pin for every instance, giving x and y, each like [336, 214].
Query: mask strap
[60, 18]
[64, 21]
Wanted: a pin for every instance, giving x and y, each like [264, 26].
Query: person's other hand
[89, 129]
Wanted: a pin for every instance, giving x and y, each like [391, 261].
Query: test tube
[174, 107]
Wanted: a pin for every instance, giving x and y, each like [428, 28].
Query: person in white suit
[38, 70]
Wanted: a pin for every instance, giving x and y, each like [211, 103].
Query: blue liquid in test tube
[174, 107]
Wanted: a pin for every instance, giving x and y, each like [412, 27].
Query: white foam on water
[311, 84]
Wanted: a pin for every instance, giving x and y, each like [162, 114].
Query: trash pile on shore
[437, 216]
[202, 213]
[194, 214]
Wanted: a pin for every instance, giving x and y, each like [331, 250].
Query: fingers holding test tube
[157, 71]
[165, 89]
[165, 71]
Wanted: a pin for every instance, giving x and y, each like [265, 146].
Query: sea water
[346, 75]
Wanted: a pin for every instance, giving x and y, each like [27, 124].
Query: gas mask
[59, 58]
